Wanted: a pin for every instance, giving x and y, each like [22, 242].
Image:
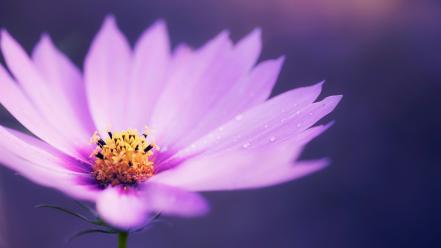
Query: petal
[193, 92]
[262, 120]
[248, 92]
[148, 73]
[123, 209]
[19, 105]
[49, 103]
[66, 83]
[249, 48]
[106, 73]
[43, 164]
[130, 208]
[249, 145]
[34, 148]
[241, 169]
[296, 123]
[174, 201]
[256, 87]
[269, 177]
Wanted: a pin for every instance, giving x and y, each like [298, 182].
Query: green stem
[122, 239]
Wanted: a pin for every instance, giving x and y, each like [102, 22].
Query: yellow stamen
[123, 158]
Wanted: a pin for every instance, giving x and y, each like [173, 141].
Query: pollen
[123, 158]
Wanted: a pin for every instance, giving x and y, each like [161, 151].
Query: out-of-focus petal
[34, 148]
[174, 201]
[129, 208]
[106, 74]
[47, 101]
[19, 105]
[121, 208]
[201, 83]
[148, 73]
[43, 164]
[67, 86]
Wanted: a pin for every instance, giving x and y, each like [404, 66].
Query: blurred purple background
[383, 188]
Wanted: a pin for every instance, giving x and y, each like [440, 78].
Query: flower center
[123, 158]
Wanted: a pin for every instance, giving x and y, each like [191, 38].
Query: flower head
[213, 125]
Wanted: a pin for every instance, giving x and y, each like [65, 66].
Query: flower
[212, 125]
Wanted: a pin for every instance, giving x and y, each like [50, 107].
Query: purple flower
[213, 127]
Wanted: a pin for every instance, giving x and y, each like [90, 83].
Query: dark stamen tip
[101, 142]
[148, 148]
[100, 155]
[110, 134]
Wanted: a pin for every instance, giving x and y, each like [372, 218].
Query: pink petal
[249, 144]
[253, 89]
[130, 208]
[43, 164]
[204, 81]
[261, 121]
[267, 176]
[296, 123]
[257, 86]
[19, 105]
[67, 85]
[148, 72]
[48, 102]
[123, 209]
[174, 201]
[106, 74]
[240, 169]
